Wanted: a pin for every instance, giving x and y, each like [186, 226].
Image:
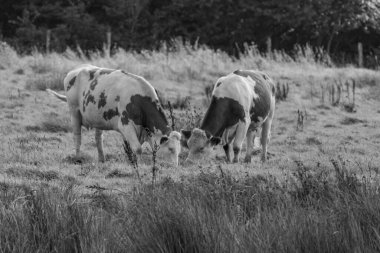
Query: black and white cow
[241, 102]
[109, 99]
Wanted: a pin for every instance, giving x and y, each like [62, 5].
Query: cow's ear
[186, 133]
[164, 139]
[215, 140]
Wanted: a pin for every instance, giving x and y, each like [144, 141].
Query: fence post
[108, 45]
[269, 47]
[360, 55]
[48, 35]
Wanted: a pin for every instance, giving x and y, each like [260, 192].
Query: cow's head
[199, 143]
[170, 147]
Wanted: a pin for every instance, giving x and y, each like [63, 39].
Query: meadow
[318, 192]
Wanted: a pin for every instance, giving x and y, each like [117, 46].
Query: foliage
[333, 25]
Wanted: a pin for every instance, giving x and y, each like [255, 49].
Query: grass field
[318, 192]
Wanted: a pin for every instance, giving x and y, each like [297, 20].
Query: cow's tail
[59, 96]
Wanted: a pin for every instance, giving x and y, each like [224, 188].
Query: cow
[110, 99]
[241, 102]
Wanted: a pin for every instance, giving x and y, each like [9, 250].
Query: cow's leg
[76, 122]
[130, 137]
[227, 150]
[227, 145]
[99, 144]
[241, 132]
[265, 135]
[250, 138]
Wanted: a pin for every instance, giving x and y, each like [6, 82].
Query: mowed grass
[318, 192]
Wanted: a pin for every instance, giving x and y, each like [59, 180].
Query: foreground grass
[313, 210]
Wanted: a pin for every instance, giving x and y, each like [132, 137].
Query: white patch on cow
[253, 84]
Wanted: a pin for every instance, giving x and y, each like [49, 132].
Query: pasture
[318, 192]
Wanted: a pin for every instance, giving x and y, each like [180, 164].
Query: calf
[109, 99]
[241, 102]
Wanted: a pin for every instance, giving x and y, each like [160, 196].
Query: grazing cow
[109, 99]
[241, 102]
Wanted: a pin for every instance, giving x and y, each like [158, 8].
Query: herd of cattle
[110, 99]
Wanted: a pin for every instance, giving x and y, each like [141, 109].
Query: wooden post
[269, 47]
[323, 94]
[108, 45]
[353, 92]
[48, 34]
[360, 55]
[339, 90]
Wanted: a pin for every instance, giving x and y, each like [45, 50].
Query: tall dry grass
[182, 64]
[314, 210]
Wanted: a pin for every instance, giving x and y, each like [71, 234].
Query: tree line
[335, 26]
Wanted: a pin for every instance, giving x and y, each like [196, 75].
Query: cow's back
[101, 95]
[263, 95]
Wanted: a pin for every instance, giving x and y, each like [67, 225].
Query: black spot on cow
[71, 83]
[90, 99]
[145, 112]
[106, 71]
[124, 118]
[221, 114]
[102, 99]
[92, 74]
[109, 114]
[85, 96]
[93, 84]
[218, 84]
[117, 99]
